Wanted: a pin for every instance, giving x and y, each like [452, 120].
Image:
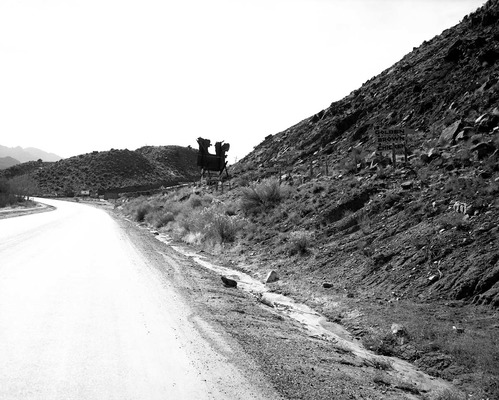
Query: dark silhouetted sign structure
[212, 162]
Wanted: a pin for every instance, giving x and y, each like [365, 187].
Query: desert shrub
[380, 364]
[195, 201]
[242, 181]
[380, 343]
[263, 196]
[231, 209]
[222, 227]
[141, 212]
[159, 218]
[138, 208]
[317, 188]
[365, 222]
[454, 220]
[211, 225]
[299, 243]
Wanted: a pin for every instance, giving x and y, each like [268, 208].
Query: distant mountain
[27, 154]
[108, 171]
[6, 162]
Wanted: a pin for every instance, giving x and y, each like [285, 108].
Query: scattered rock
[327, 285]
[407, 185]
[271, 277]
[399, 330]
[448, 135]
[432, 154]
[483, 149]
[486, 122]
[265, 300]
[457, 329]
[228, 281]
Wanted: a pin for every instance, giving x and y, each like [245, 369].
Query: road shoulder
[275, 348]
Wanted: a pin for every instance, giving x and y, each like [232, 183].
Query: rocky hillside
[449, 81]
[115, 170]
[427, 228]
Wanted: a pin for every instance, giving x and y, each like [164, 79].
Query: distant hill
[27, 154]
[6, 162]
[108, 171]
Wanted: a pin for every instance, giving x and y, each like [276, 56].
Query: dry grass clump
[263, 196]
[299, 243]
[210, 225]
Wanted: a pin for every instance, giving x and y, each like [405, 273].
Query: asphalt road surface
[83, 315]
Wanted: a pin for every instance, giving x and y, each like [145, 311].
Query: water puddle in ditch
[316, 324]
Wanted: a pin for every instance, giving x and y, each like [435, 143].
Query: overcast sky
[84, 75]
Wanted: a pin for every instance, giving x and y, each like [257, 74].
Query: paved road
[83, 315]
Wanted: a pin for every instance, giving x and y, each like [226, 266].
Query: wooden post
[394, 156]
[327, 167]
[311, 169]
[405, 146]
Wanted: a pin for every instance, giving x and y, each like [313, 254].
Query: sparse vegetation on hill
[114, 170]
[370, 244]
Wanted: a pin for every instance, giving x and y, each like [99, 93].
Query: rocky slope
[370, 244]
[400, 227]
[108, 171]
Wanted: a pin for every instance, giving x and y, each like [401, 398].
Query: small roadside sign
[392, 140]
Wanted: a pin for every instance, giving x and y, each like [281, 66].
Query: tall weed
[212, 223]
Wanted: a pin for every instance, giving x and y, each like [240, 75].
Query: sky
[84, 75]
